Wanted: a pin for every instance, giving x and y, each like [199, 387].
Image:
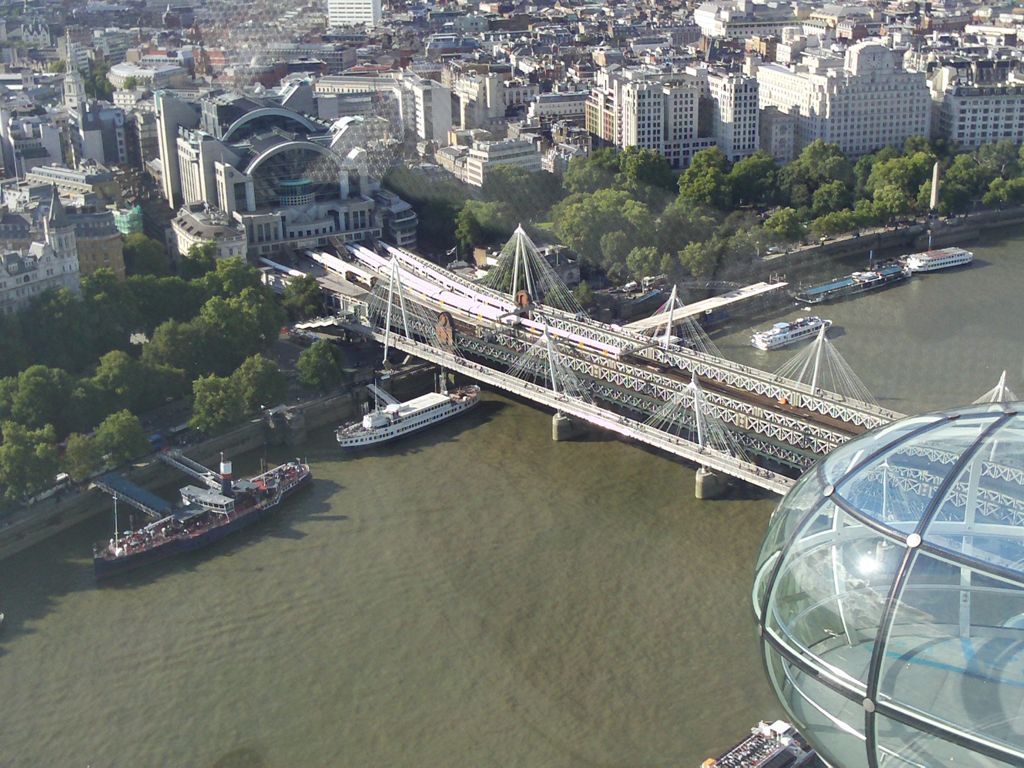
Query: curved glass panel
[950, 645]
[901, 746]
[836, 721]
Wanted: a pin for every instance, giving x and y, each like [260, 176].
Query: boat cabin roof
[206, 496]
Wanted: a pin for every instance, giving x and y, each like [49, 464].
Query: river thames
[475, 596]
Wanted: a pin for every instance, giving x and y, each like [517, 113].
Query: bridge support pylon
[709, 485]
[564, 427]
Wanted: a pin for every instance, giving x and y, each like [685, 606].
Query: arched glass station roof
[890, 594]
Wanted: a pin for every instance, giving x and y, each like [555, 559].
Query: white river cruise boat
[943, 258]
[781, 334]
[391, 419]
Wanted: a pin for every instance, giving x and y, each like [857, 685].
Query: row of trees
[628, 214]
[71, 367]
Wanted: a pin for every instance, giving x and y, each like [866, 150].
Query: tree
[699, 259]
[584, 295]
[130, 83]
[200, 259]
[225, 277]
[112, 308]
[303, 298]
[834, 223]
[480, 223]
[258, 381]
[1004, 192]
[123, 377]
[14, 353]
[644, 261]
[41, 398]
[217, 403]
[320, 366]
[752, 179]
[614, 248]
[82, 456]
[28, 459]
[582, 220]
[120, 437]
[144, 256]
[830, 197]
[784, 223]
[96, 84]
[705, 182]
[57, 67]
[57, 327]
[818, 163]
[645, 173]
[524, 193]
[890, 202]
[681, 223]
[586, 175]
[175, 345]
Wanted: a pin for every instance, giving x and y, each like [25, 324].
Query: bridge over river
[730, 419]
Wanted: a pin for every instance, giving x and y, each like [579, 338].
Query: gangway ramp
[125, 490]
[381, 395]
[704, 306]
[193, 469]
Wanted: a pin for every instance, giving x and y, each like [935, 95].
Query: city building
[969, 114]
[472, 164]
[89, 179]
[742, 19]
[195, 225]
[732, 100]
[650, 109]
[890, 594]
[863, 103]
[347, 13]
[289, 180]
[45, 264]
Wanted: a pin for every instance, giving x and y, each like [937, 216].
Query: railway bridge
[729, 418]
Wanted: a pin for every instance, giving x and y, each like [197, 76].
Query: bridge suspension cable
[1000, 393]
[685, 415]
[821, 367]
[692, 335]
[521, 267]
[542, 364]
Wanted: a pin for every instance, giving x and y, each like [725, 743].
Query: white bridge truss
[834, 406]
[590, 413]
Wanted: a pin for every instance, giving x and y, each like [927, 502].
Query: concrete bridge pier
[564, 427]
[709, 484]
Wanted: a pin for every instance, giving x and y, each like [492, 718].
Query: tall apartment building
[731, 98]
[344, 13]
[863, 104]
[649, 109]
[970, 114]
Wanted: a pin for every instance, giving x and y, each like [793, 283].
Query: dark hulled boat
[206, 516]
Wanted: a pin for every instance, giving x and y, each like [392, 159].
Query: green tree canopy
[582, 220]
[303, 298]
[258, 381]
[197, 261]
[320, 366]
[144, 256]
[524, 194]
[784, 223]
[586, 175]
[120, 437]
[705, 182]
[217, 403]
[28, 459]
[753, 179]
[82, 456]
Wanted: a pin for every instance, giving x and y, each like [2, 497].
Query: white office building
[732, 98]
[863, 103]
[347, 13]
[968, 114]
[471, 165]
[649, 109]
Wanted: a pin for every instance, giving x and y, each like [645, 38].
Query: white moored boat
[943, 258]
[781, 334]
[391, 419]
